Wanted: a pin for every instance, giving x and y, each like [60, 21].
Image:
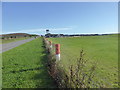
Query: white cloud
[39, 30]
[43, 29]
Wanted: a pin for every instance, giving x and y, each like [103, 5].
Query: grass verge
[24, 67]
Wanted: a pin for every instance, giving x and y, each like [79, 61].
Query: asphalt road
[8, 46]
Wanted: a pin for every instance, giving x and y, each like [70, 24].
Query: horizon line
[68, 33]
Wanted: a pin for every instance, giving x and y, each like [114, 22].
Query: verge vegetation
[25, 67]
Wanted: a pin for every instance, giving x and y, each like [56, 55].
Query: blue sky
[59, 17]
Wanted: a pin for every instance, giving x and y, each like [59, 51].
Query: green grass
[103, 49]
[12, 40]
[25, 67]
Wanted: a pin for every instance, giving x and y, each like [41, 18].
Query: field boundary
[77, 76]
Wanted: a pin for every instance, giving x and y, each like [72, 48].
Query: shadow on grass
[43, 76]
[24, 70]
[42, 79]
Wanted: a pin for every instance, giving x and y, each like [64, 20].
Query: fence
[53, 49]
[56, 72]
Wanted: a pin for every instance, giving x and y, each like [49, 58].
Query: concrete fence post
[50, 46]
[57, 50]
[50, 42]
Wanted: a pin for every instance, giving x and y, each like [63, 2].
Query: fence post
[50, 47]
[57, 49]
[50, 42]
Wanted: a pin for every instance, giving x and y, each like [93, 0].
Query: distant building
[53, 35]
[15, 35]
[48, 35]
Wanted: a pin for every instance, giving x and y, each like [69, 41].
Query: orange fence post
[57, 50]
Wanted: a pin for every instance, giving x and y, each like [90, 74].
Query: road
[8, 46]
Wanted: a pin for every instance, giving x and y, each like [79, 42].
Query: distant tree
[47, 31]
[11, 36]
[3, 37]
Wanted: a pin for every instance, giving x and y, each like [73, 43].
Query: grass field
[100, 49]
[24, 67]
[12, 40]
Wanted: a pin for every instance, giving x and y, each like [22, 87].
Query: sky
[59, 17]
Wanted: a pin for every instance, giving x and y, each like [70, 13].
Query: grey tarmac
[11, 45]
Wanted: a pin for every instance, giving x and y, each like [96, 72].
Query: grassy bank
[100, 49]
[2, 41]
[24, 67]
